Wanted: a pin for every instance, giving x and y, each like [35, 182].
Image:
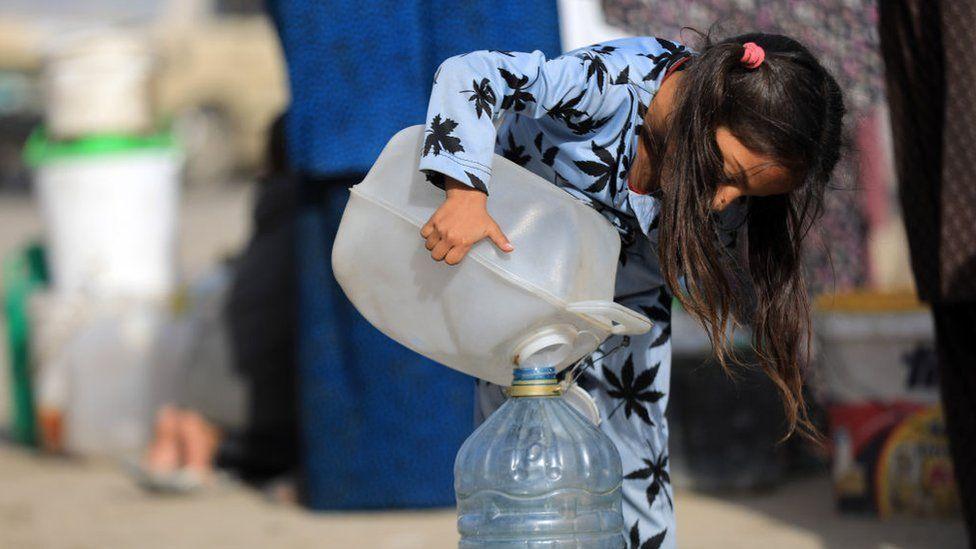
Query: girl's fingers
[432, 240]
[456, 254]
[440, 250]
[427, 229]
[498, 237]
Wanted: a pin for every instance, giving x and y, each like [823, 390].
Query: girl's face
[747, 173]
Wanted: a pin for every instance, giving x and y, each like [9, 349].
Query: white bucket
[110, 221]
[872, 351]
[98, 84]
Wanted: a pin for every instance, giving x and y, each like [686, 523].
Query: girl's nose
[725, 195]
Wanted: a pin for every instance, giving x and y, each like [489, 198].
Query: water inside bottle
[537, 473]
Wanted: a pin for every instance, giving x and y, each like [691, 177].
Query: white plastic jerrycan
[549, 301]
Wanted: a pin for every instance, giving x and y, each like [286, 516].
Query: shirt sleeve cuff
[437, 166]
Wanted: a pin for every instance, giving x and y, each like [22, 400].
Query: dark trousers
[926, 49]
[955, 328]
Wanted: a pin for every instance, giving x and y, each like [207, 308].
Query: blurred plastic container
[552, 295]
[94, 360]
[874, 346]
[877, 374]
[109, 206]
[538, 474]
[108, 408]
[98, 84]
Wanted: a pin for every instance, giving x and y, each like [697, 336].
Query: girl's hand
[461, 222]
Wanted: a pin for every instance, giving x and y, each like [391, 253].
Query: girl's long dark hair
[790, 109]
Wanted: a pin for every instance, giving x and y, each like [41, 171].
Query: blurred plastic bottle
[537, 474]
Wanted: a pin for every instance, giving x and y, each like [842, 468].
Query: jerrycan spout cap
[535, 381]
[547, 346]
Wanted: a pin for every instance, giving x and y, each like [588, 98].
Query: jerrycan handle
[623, 320]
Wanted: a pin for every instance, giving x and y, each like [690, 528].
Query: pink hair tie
[753, 55]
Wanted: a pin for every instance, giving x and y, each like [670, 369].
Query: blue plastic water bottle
[538, 474]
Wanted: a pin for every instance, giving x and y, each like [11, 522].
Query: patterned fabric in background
[837, 249]
[932, 78]
[843, 34]
[957, 252]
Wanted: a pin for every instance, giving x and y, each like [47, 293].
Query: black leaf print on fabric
[548, 155]
[662, 313]
[663, 338]
[657, 471]
[603, 50]
[503, 52]
[439, 137]
[621, 147]
[634, 392]
[519, 97]
[670, 46]
[587, 125]
[436, 178]
[654, 542]
[566, 110]
[476, 182]
[561, 181]
[482, 96]
[634, 537]
[514, 152]
[623, 77]
[657, 313]
[672, 53]
[624, 166]
[603, 170]
[576, 120]
[596, 67]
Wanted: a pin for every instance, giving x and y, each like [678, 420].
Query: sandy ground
[57, 503]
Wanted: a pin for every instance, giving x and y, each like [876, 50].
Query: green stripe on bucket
[40, 150]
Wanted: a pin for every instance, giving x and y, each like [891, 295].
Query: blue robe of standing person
[380, 424]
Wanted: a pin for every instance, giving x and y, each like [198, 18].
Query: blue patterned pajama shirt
[573, 120]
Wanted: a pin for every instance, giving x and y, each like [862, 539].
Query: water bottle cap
[535, 381]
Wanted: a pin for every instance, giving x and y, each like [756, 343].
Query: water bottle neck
[535, 382]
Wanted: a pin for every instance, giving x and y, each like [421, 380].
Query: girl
[678, 150]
